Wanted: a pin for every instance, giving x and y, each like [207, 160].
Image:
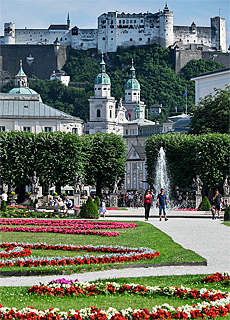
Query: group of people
[58, 202]
[217, 204]
[162, 203]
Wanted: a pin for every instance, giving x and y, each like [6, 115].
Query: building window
[119, 21]
[48, 129]
[2, 128]
[131, 39]
[134, 21]
[98, 113]
[75, 130]
[26, 107]
[111, 38]
[27, 129]
[103, 38]
[126, 131]
[140, 39]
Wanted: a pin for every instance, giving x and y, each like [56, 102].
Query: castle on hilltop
[124, 29]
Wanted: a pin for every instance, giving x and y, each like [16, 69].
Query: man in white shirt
[4, 196]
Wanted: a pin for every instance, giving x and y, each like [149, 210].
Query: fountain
[161, 175]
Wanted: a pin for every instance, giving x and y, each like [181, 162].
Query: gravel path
[208, 238]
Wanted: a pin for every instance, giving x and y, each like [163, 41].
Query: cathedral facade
[124, 29]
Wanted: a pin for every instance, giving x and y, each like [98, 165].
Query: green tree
[212, 113]
[58, 157]
[17, 157]
[104, 160]
[188, 155]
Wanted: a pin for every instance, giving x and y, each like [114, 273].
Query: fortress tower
[9, 33]
[218, 34]
[166, 28]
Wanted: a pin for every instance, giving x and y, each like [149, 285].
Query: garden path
[208, 238]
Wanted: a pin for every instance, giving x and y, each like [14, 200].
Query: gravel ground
[208, 238]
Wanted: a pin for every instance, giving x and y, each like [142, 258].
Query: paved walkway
[208, 238]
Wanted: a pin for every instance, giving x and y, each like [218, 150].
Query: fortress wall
[85, 39]
[47, 58]
[182, 57]
[41, 36]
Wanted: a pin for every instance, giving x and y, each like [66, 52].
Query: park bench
[55, 209]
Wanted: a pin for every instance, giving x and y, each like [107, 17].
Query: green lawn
[145, 235]
[227, 223]
[19, 298]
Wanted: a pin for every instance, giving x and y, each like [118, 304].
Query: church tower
[132, 95]
[20, 80]
[102, 106]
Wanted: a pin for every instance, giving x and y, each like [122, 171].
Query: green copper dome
[132, 83]
[102, 77]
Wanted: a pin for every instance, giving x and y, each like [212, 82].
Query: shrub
[3, 206]
[89, 210]
[97, 201]
[205, 205]
[227, 213]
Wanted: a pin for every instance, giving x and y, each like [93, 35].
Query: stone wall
[182, 57]
[38, 60]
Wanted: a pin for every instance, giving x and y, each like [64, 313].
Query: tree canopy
[206, 155]
[212, 113]
[105, 162]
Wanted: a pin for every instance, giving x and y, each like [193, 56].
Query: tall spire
[68, 21]
[102, 64]
[133, 73]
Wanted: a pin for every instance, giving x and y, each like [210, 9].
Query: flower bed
[80, 224]
[15, 252]
[188, 209]
[64, 230]
[65, 226]
[63, 287]
[201, 310]
[217, 277]
[118, 255]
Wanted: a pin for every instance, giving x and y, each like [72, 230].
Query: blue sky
[84, 13]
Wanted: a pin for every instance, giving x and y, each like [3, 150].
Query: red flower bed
[115, 257]
[64, 230]
[10, 253]
[217, 277]
[79, 224]
[65, 226]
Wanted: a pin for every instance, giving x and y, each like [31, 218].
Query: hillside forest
[154, 70]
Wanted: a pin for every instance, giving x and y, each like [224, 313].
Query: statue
[120, 100]
[34, 183]
[115, 185]
[198, 184]
[226, 185]
[77, 183]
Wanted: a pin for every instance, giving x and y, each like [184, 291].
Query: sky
[84, 13]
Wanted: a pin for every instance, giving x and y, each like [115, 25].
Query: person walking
[102, 209]
[217, 201]
[147, 199]
[162, 203]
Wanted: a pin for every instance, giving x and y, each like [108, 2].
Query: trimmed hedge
[204, 205]
[227, 213]
[89, 210]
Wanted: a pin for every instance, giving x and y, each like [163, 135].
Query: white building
[124, 29]
[206, 82]
[102, 116]
[60, 76]
[22, 109]
[135, 171]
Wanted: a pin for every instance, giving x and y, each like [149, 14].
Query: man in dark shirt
[162, 203]
[217, 200]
